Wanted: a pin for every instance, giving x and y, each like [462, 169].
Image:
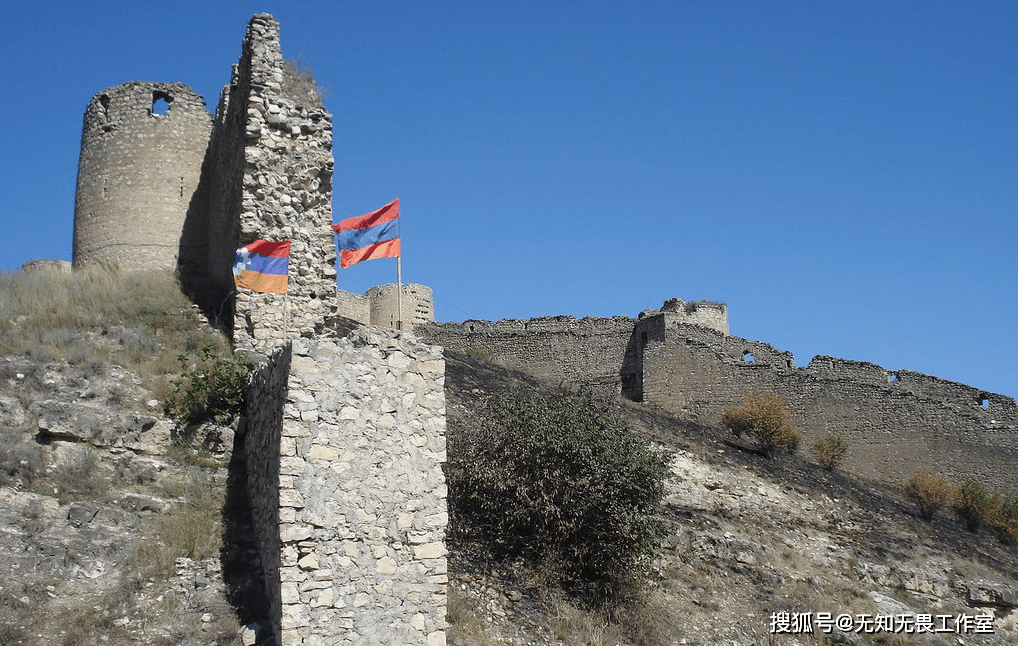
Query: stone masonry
[142, 146]
[681, 359]
[346, 438]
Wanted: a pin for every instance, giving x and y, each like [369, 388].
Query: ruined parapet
[706, 314]
[40, 266]
[268, 176]
[587, 351]
[346, 443]
[356, 307]
[142, 146]
[418, 305]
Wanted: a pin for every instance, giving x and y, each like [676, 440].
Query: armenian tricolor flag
[365, 237]
[263, 266]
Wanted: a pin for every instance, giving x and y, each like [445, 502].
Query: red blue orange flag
[369, 236]
[263, 266]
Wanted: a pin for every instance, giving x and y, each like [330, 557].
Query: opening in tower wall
[160, 103]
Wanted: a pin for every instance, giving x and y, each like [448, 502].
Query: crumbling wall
[586, 351]
[267, 175]
[356, 476]
[896, 422]
[266, 400]
[142, 146]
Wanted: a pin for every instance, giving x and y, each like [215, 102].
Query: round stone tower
[418, 305]
[142, 146]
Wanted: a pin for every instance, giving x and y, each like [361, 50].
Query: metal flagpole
[399, 288]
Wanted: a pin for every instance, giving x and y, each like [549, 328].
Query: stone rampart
[351, 463]
[586, 351]
[686, 363]
[896, 422]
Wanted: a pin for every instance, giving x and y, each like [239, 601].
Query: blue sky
[844, 175]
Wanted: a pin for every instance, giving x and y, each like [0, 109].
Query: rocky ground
[105, 527]
[110, 534]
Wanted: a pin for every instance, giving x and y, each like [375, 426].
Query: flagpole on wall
[399, 291]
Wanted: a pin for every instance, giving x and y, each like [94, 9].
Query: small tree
[559, 481]
[928, 491]
[829, 450]
[765, 417]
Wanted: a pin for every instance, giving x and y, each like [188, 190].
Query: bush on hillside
[212, 387]
[764, 417]
[830, 450]
[928, 491]
[972, 504]
[558, 480]
[1004, 519]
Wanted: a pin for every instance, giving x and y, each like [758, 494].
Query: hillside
[119, 527]
[752, 537]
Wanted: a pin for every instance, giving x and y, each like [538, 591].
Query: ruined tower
[142, 146]
[418, 305]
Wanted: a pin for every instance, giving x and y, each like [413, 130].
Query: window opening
[748, 357]
[892, 377]
[984, 402]
[160, 103]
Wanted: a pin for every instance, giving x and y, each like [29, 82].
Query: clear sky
[843, 174]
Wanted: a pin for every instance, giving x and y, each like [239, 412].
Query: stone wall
[357, 480]
[267, 176]
[142, 146]
[682, 359]
[418, 305]
[354, 306]
[586, 351]
[896, 422]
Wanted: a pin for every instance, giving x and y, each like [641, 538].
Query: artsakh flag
[370, 236]
[263, 266]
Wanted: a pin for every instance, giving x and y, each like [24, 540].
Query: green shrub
[211, 388]
[928, 491]
[830, 450]
[972, 504]
[559, 481]
[765, 417]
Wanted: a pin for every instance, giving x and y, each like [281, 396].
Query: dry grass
[194, 531]
[101, 316]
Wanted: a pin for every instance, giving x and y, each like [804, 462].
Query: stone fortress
[345, 436]
[682, 359]
[345, 433]
[164, 184]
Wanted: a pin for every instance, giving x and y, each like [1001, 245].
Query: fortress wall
[703, 313]
[267, 175]
[892, 428]
[353, 306]
[266, 399]
[361, 495]
[586, 351]
[137, 173]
